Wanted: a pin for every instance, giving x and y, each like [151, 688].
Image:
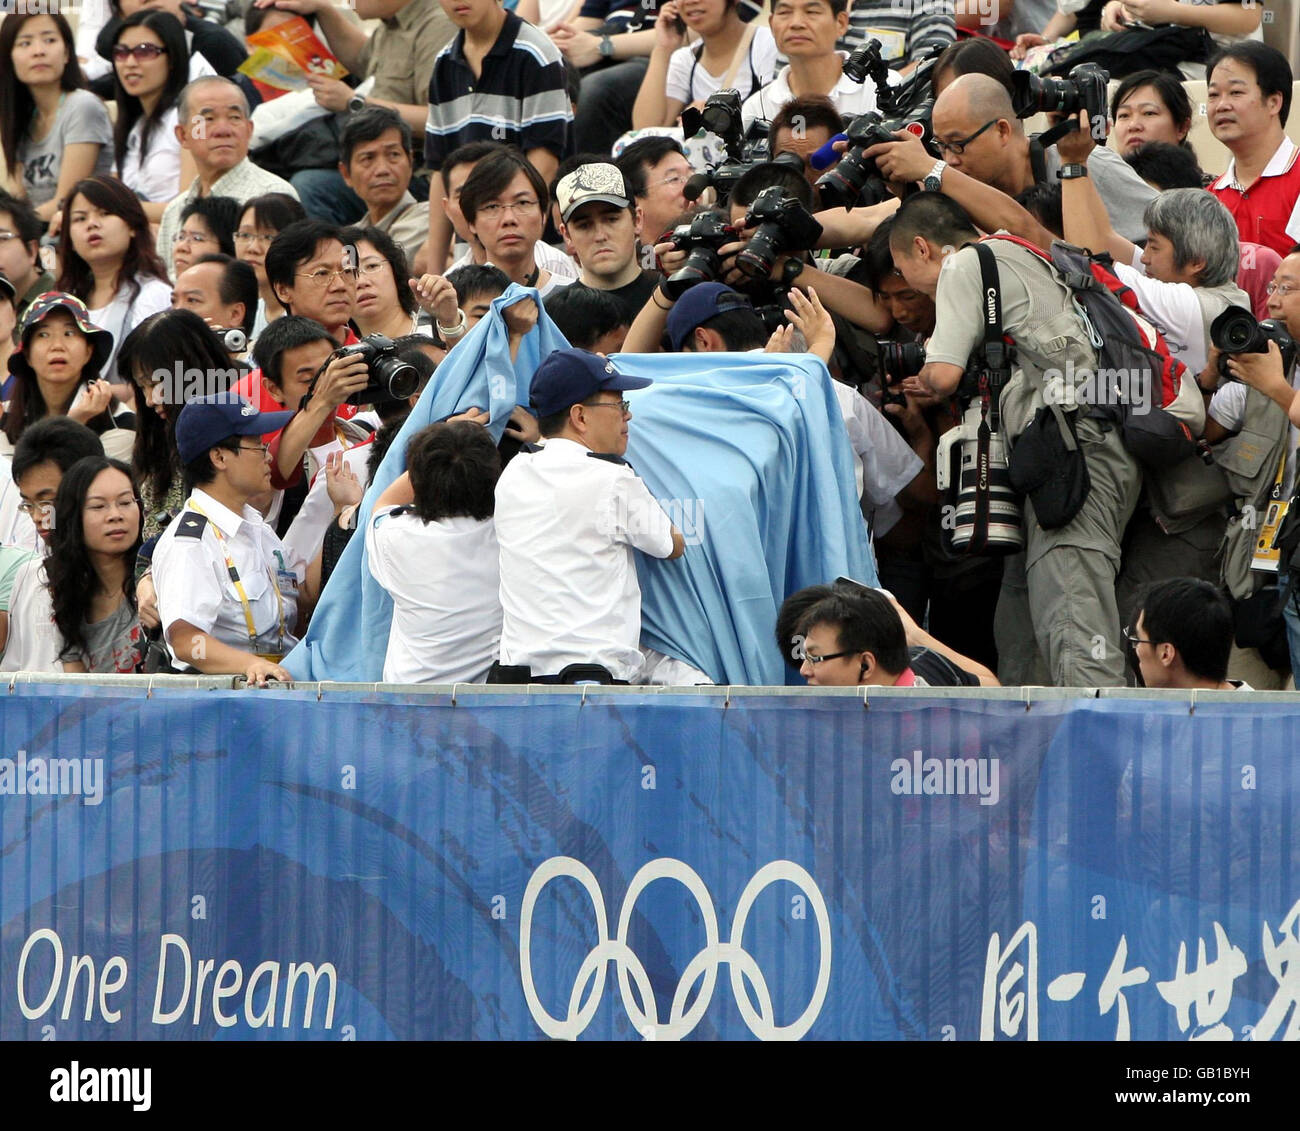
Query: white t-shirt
[125, 313]
[689, 82]
[443, 579]
[884, 463]
[1172, 309]
[850, 98]
[34, 642]
[158, 176]
[567, 522]
[16, 527]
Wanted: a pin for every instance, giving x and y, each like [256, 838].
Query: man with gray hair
[215, 127]
[979, 137]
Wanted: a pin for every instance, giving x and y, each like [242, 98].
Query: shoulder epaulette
[609, 457]
[191, 524]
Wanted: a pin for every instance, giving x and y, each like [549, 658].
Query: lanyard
[239, 585]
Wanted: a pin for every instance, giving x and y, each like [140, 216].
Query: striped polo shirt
[519, 99]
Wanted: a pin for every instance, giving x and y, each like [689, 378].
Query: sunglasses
[141, 51]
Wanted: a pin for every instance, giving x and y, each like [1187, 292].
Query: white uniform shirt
[443, 579]
[306, 533]
[884, 463]
[194, 585]
[567, 522]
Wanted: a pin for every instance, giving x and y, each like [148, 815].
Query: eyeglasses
[323, 276]
[958, 147]
[265, 449]
[815, 660]
[142, 51]
[499, 208]
[5, 237]
[43, 506]
[623, 406]
[253, 237]
[1129, 635]
[373, 266]
[1283, 289]
[673, 180]
[192, 237]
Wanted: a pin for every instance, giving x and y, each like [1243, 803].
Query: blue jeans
[326, 196]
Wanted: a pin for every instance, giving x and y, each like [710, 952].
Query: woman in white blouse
[151, 64]
[726, 49]
[107, 253]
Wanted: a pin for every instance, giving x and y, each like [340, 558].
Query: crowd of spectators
[220, 299]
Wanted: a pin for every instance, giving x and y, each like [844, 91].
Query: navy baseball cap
[569, 377]
[702, 302]
[205, 422]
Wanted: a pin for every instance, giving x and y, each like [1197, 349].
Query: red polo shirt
[1267, 212]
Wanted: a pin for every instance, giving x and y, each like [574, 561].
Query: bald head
[977, 98]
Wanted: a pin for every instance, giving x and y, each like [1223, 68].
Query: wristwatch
[606, 47]
[791, 270]
[356, 102]
[1071, 172]
[934, 178]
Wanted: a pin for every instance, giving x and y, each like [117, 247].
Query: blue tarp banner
[206, 864]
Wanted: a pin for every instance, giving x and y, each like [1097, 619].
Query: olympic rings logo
[703, 968]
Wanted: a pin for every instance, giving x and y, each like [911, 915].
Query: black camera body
[784, 225]
[856, 176]
[1083, 89]
[391, 378]
[702, 237]
[1236, 331]
[898, 361]
[721, 116]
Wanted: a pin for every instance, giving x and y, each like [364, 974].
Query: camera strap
[997, 354]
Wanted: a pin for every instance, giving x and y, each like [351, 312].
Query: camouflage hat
[42, 307]
[591, 182]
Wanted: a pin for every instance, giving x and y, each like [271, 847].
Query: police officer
[567, 520]
[228, 590]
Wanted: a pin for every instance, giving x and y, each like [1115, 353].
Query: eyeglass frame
[326, 279]
[815, 660]
[624, 406]
[265, 449]
[497, 209]
[1282, 289]
[1134, 641]
[249, 237]
[193, 237]
[958, 147]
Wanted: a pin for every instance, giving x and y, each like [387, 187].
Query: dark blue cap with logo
[568, 377]
[702, 302]
[205, 422]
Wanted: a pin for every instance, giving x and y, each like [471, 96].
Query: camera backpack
[1159, 429]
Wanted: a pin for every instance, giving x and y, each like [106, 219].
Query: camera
[856, 174]
[234, 339]
[784, 225]
[701, 237]
[898, 360]
[721, 116]
[391, 378]
[1236, 331]
[1083, 89]
[866, 62]
[959, 459]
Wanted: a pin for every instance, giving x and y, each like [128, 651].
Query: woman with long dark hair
[52, 130]
[163, 356]
[108, 259]
[90, 567]
[151, 65]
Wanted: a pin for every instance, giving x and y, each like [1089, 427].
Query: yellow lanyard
[239, 585]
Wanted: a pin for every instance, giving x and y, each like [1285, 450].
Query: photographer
[978, 135]
[302, 371]
[1071, 569]
[1258, 412]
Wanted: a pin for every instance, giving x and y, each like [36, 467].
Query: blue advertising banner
[619, 864]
